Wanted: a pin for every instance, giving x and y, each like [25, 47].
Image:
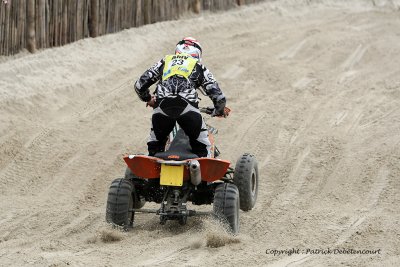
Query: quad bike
[177, 176]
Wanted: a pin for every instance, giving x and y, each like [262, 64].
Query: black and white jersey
[175, 85]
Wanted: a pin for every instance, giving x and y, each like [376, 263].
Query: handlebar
[210, 111]
[207, 110]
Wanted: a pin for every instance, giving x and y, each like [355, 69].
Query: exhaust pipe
[195, 173]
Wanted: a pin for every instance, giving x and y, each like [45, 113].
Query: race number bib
[181, 65]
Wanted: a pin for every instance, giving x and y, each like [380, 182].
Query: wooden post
[64, 21]
[117, 16]
[1, 30]
[59, 22]
[70, 30]
[79, 20]
[147, 11]
[17, 46]
[31, 26]
[127, 14]
[138, 13]
[11, 40]
[86, 19]
[7, 29]
[21, 25]
[72, 21]
[55, 23]
[49, 24]
[196, 6]
[109, 17]
[100, 18]
[41, 26]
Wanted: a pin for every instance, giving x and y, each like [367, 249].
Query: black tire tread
[226, 205]
[242, 176]
[118, 201]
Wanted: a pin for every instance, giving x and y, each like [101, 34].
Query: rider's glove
[152, 102]
[219, 108]
[217, 113]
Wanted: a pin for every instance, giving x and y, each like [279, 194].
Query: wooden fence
[36, 24]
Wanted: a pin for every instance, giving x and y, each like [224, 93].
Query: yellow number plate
[171, 175]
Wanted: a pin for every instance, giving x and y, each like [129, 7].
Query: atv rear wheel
[226, 205]
[139, 201]
[246, 179]
[120, 203]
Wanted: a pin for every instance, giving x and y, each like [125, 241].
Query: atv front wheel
[120, 203]
[246, 179]
[226, 205]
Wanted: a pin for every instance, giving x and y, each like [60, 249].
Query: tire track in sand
[296, 178]
[26, 173]
[257, 145]
[379, 185]
[350, 63]
[292, 51]
[23, 167]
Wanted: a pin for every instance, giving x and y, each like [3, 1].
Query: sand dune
[315, 91]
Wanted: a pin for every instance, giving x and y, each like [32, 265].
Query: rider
[176, 99]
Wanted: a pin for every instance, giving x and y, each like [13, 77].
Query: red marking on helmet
[173, 157]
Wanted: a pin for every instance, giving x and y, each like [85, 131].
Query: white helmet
[190, 46]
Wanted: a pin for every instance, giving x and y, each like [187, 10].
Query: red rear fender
[149, 167]
[212, 169]
[143, 166]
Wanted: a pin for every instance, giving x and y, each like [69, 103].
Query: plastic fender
[143, 166]
[212, 169]
[147, 167]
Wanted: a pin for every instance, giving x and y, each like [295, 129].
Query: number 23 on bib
[181, 65]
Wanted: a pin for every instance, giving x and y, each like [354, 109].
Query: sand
[314, 88]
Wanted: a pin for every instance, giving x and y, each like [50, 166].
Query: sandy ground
[315, 91]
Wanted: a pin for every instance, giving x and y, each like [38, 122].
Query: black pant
[166, 114]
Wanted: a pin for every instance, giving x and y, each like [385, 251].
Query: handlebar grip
[207, 110]
[210, 111]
